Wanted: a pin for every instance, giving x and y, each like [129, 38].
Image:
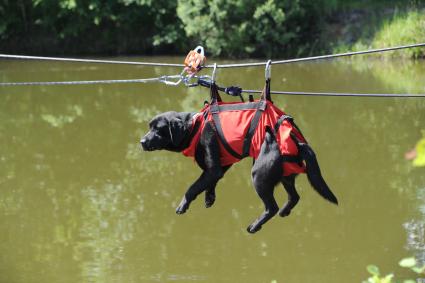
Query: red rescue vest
[241, 131]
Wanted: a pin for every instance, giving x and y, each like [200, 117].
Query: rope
[252, 64]
[164, 80]
[148, 80]
[321, 57]
[76, 60]
[339, 94]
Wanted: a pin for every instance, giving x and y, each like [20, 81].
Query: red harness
[241, 131]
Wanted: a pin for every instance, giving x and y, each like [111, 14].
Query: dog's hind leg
[266, 173]
[288, 183]
[210, 192]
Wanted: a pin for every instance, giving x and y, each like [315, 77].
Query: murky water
[79, 201]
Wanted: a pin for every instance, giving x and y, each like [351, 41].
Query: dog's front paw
[253, 228]
[183, 206]
[209, 199]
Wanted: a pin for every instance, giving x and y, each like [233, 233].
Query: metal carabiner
[214, 73]
[164, 79]
[268, 71]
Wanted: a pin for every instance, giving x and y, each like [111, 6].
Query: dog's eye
[160, 128]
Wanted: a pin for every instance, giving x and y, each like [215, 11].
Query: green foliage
[241, 28]
[233, 28]
[420, 153]
[89, 26]
[409, 263]
[404, 27]
[237, 28]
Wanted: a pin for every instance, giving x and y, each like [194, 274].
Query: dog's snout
[143, 143]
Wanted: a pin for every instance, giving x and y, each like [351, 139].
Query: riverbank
[362, 29]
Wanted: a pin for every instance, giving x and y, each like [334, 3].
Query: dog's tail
[313, 173]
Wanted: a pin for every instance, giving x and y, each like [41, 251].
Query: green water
[79, 201]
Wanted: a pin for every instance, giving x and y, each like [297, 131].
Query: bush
[403, 29]
[90, 26]
[242, 28]
[236, 28]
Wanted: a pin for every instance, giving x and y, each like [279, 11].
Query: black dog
[172, 131]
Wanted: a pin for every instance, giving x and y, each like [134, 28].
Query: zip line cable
[76, 60]
[165, 79]
[148, 80]
[320, 57]
[253, 64]
[338, 94]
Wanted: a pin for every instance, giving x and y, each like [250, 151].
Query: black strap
[298, 129]
[215, 97]
[261, 106]
[266, 92]
[238, 106]
[215, 110]
[280, 121]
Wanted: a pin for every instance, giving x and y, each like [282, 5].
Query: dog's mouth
[145, 146]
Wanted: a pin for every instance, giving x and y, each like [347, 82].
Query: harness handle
[265, 95]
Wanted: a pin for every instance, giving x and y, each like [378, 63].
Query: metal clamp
[268, 71]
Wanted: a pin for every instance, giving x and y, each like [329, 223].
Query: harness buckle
[262, 105]
[214, 108]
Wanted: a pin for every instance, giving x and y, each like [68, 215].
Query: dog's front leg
[210, 192]
[207, 179]
[208, 158]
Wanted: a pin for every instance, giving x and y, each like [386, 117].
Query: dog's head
[167, 131]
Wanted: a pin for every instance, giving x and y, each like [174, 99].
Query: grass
[402, 28]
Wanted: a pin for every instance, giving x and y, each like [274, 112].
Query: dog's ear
[177, 130]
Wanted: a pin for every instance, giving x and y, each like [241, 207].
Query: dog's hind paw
[284, 212]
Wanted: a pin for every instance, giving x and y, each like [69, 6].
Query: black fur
[172, 131]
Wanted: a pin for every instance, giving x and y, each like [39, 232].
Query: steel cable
[338, 94]
[252, 64]
[164, 78]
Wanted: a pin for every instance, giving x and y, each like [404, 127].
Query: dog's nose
[143, 143]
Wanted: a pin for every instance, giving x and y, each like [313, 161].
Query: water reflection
[415, 229]
[108, 219]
